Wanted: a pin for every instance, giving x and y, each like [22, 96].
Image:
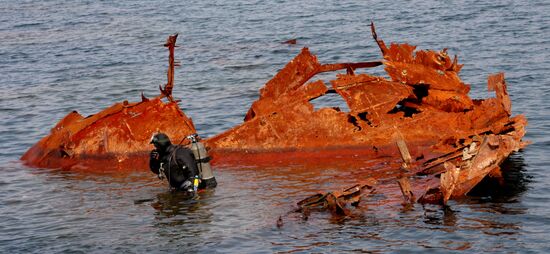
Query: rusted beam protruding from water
[404, 151]
[405, 187]
[169, 86]
[380, 43]
[404, 183]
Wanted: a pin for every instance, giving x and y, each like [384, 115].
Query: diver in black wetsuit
[176, 163]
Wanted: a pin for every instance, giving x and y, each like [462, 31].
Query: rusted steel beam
[380, 43]
[169, 86]
[405, 187]
[404, 151]
[353, 66]
[404, 183]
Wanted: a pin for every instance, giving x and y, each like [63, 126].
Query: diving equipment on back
[203, 162]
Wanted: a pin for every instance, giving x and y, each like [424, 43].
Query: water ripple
[89, 55]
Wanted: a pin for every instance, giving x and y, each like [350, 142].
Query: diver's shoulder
[182, 149]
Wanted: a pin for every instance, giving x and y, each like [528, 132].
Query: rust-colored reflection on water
[136, 212]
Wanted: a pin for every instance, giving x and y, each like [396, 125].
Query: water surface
[59, 56]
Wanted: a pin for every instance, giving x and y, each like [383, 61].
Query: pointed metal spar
[170, 44]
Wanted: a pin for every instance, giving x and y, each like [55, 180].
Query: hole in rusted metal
[363, 117]
[400, 107]
[420, 91]
[330, 100]
[353, 120]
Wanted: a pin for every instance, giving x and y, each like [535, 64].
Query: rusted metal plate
[293, 75]
[116, 134]
[370, 97]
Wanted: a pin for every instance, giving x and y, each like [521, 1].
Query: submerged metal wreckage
[454, 141]
[117, 137]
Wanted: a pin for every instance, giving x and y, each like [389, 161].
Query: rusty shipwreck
[422, 114]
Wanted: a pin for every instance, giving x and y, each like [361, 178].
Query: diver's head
[161, 141]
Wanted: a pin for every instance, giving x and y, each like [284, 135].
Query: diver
[179, 164]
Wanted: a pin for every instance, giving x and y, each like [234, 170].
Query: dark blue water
[58, 56]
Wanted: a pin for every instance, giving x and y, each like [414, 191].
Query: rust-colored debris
[434, 181]
[337, 202]
[422, 113]
[424, 103]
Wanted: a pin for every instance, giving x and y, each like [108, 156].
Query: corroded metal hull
[423, 106]
[424, 103]
[117, 138]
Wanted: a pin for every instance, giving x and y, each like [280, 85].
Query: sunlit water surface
[59, 56]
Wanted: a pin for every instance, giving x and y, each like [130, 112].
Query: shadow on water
[440, 215]
[179, 215]
[514, 182]
[173, 203]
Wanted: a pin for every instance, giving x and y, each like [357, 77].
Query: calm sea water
[59, 56]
